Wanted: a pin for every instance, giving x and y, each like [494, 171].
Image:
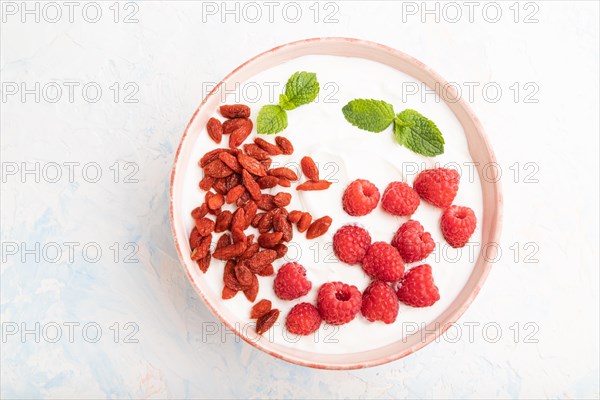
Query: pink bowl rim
[454, 316]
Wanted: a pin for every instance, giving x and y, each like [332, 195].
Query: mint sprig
[271, 119]
[302, 88]
[418, 133]
[411, 129]
[368, 114]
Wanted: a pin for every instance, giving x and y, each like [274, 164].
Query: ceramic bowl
[480, 152]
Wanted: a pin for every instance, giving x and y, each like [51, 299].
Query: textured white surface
[170, 54]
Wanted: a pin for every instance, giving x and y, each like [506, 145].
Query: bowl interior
[480, 152]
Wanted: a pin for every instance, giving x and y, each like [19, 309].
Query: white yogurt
[345, 153]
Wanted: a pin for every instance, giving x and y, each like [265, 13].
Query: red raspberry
[412, 242]
[400, 199]
[303, 319]
[338, 303]
[417, 288]
[437, 186]
[458, 224]
[380, 303]
[383, 262]
[350, 244]
[360, 198]
[290, 282]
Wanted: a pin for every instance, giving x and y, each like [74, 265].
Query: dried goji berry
[229, 277]
[251, 250]
[269, 240]
[270, 148]
[284, 144]
[265, 202]
[250, 209]
[252, 291]
[282, 199]
[281, 250]
[200, 212]
[238, 235]
[283, 182]
[267, 182]
[210, 156]
[309, 168]
[260, 309]
[228, 293]
[295, 216]
[230, 251]
[281, 224]
[265, 322]
[231, 161]
[319, 227]
[311, 185]
[234, 194]
[204, 263]
[217, 169]
[251, 165]
[223, 221]
[266, 222]
[260, 259]
[203, 248]
[283, 172]
[239, 219]
[243, 274]
[205, 226]
[224, 240]
[195, 238]
[232, 124]
[256, 219]
[215, 130]
[266, 163]
[267, 270]
[238, 136]
[254, 151]
[232, 181]
[220, 185]
[206, 182]
[235, 111]
[304, 222]
[251, 185]
[215, 201]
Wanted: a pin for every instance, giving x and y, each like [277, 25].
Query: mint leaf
[271, 119]
[417, 133]
[301, 88]
[285, 103]
[368, 114]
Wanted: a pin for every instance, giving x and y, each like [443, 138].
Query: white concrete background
[551, 207]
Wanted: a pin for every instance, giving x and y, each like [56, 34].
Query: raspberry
[458, 224]
[412, 242]
[379, 303]
[360, 198]
[290, 282]
[338, 303]
[417, 288]
[437, 186]
[350, 244]
[400, 199]
[383, 262]
[303, 319]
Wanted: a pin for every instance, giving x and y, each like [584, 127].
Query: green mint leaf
[417, 133]
[368, 114]
[271, 119]
[301, 88]
[285, 103]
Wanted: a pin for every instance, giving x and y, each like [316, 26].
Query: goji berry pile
[234, 178]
